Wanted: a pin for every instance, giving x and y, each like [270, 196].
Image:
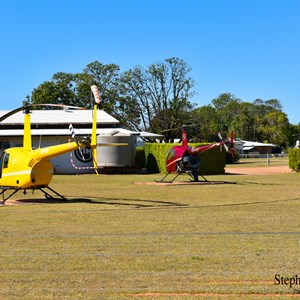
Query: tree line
[158, 99]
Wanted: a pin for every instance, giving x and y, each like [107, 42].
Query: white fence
[258, 155]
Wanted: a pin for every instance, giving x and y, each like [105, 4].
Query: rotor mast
[184, 138]
[27, 141]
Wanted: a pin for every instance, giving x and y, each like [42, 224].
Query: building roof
[255, 144]
[248, 148]
[80, 119]
[78, 132]
[66, 116]
[66, 132]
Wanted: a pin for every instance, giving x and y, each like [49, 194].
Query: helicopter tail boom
[204, 148]
[53, 151]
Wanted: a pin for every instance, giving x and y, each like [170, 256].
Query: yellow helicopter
[24, 168]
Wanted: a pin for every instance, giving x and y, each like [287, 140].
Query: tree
[275, 128]
[274, 104]
[294, 133]
[161, 94]
[265, 106]
[158, 98]
[75, 89]
[227, 107]
[272, 124]
[106, 77]
[151, 99]
[244, 122]
[206, 124]
[222, 101]
[60, 90]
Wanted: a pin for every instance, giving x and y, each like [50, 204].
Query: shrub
[294, 159]
[212, 161]
[156, 156]
[232, 159]
[140, 158]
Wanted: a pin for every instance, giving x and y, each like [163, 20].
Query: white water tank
[116, 156]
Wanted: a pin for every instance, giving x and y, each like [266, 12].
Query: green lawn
[114, 239]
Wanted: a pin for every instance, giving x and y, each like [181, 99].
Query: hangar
[50, 127]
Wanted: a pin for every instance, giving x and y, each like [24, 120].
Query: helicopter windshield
[1, 163]
[4, 158]
[171, 154]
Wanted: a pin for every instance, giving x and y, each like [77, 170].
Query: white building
[51, 127]
[249, 147]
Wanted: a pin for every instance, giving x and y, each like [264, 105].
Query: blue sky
[249, 48]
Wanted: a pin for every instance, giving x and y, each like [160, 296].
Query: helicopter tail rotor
[228, 144]
[223, 142]
[76, 140]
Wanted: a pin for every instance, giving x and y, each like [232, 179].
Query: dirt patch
[259, 170]
[173, 183]
[12, 202]
[211, 295]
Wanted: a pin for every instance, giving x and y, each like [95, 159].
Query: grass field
[261, 162]
[114, 239]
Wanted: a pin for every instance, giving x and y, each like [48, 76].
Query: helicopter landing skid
[49, 196]
[41, 188]
[190, 173]
[163, 179]
[15, 190]
[195, 176]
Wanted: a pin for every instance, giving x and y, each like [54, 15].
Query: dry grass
[261, 162]
[113, 239]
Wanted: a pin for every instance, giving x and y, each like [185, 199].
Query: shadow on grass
[136, 203]
[257, 183]
[127, 202]
[165, 205]
[247, 203]
[141, 204]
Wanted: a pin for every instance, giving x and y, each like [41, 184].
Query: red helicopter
[185, 159]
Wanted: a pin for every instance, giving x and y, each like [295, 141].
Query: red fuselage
[177, 153]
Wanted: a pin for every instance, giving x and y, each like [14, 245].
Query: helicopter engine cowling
[190, 162]
[41, 173]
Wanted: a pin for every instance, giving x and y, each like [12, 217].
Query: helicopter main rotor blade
[12, 112]
[111, 144]
[177, 128]
[27, 107]
[58, 105]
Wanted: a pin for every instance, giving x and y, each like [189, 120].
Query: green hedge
[212, 161]
[140, 158]
[294, 159]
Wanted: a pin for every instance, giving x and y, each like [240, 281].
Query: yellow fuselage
[27, 168]
[22, 168]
